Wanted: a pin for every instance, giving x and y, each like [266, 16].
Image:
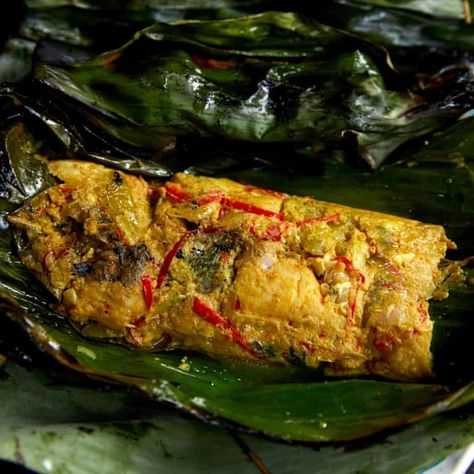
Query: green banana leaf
[95, 30]
[51, 419]
[291, 403]
[161, 5]
[16, 59]
[75, 32]
[271, 78]
[446, 9]
[419, 37]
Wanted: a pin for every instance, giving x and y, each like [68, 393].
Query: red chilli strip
[222, 212]
[169, 258]
[315, 220]
[176, 194]
[274, 233]
[354, 302]
[65, 189]
[138, 340]
[140, 322]
[358, 344]
[308, 346]
[250, 208]
[386, 343]
[206, 230]
[350, 268]
[119, 233]
[213, 63]
[315, 255]
[147, 291]
[217, 196]
[46, 259]
[40, 211]
[153, 193]
[211, 316]
[423, 313]
[394, 268]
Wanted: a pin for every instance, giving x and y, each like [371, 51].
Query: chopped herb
[197, 252]
[82, 268]
[208, 259]
[294, 358]
[165, 267]
[120, 251]
[118, 178]
[263, 350]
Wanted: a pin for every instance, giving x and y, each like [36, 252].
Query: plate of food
[236, 238]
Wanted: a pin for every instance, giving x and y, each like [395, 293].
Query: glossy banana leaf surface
[55, 422]
[421, 36]
[268, 78]
[80, 30]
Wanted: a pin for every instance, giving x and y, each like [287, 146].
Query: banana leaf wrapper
[451, 9]
[421, 36]
[293, 404]
[268, 78]
[51, 418]
[74, 32]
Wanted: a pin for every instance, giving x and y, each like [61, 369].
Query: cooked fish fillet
[234, 271]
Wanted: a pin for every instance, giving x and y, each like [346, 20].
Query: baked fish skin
[234, 271]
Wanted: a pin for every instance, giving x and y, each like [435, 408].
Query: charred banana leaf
[271, 78]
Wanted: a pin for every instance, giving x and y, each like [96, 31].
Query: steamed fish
[234, 271]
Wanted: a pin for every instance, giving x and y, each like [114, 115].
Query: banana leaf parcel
[46, 410]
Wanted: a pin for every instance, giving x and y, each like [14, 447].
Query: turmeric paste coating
[234, 271]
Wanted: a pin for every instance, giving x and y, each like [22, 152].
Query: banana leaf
[421, 36]
[290, 403]
[268, 78]
[50, 419]
[446, 9]
[94, 30]
[76, 34]
[16, 59]
[142, 4]
[78, 31]
[91, 428]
